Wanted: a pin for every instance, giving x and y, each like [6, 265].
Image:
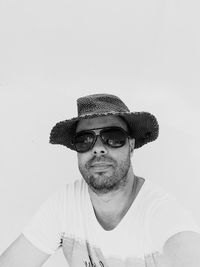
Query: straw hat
[143, 126]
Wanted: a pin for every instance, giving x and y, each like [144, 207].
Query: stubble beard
[101, 182]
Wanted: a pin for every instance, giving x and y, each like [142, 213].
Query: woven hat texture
[143, 126]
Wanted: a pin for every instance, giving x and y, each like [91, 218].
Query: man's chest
[81, 253]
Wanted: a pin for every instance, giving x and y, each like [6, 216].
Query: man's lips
[100, 164]
[100, 168]
[95, 163]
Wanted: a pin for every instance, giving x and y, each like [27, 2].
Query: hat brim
[143, 127]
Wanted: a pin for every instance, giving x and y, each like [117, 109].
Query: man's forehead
[100, 122]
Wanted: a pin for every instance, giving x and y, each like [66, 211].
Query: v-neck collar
[131, 209]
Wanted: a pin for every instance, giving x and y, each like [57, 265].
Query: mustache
[103, 159]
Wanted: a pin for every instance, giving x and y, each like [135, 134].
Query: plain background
[52, 52]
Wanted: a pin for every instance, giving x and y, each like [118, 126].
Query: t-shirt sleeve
[44, 230]
[167, 218]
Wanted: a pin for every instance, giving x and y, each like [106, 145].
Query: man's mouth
[100, 164]
[100, 167]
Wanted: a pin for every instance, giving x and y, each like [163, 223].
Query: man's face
[104, 168]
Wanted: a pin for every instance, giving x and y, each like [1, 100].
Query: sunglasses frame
[91, 131]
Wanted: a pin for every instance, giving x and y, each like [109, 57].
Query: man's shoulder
[154, 196]
[153, 190]
[75, 187]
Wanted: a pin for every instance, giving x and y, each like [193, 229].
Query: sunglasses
[114, 137]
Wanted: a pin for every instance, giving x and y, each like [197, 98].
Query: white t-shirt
[67, 220]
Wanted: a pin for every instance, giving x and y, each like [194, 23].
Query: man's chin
[102, 186]
[100, 190]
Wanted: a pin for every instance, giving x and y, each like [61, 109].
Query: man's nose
[99, 148]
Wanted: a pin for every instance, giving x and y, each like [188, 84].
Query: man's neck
[113, 204]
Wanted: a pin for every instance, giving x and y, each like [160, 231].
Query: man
[111, 217]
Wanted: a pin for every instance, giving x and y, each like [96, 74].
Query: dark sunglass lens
[83, 141]
[114, 137]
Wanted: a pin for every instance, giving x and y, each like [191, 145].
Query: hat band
[103, 113]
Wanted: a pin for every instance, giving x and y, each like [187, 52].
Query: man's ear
[132, 145]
